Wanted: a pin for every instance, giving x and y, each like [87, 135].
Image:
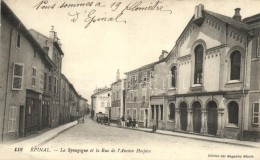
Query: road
[94, 141]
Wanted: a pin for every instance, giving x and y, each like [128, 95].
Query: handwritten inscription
[95, 11]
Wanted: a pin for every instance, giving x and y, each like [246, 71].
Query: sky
[94, 50]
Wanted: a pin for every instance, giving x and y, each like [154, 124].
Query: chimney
[52, 33]
[117, 75]
[237, 15]
[163, 55]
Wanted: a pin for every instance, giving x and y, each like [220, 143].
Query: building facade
[101, 101]
[33, 92]
[138, 92]
[118, 98]
[51, 45]
[23, 66]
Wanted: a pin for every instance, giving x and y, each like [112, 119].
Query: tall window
[18, 41]
[172, 111]
[198, 71]
[161, 107]
[142, 115]
[33, 76]
[102, 104]
[45, 81]
[233, 113]
[256, 113]
[17, 76]
[128, 112]
[134, 114]
[55, 85]
[152, 108]
[174, 76]
[50, 84]
[12, 119]
[235, 62]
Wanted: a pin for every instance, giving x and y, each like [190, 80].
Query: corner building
[209, 82]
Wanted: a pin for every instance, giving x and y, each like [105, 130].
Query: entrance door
[212, 118]
[31, 116]
[21, 122]
[196, 107]
[146, 118]
[183, 116]
[157, 116]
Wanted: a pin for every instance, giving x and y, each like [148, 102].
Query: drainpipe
[6, 87]
[244, 94]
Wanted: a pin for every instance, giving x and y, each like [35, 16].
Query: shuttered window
[256, 113]
[17, 76]
[134, 114]
[33, 76]
[12, 119]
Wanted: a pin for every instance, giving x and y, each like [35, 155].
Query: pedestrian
[118, 122]
[123, 121]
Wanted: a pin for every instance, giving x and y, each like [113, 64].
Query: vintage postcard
[130, 79]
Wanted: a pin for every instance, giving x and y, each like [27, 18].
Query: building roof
[14, 20]
[238, 24]
[80, 97]
[47, 38]
[102, 91]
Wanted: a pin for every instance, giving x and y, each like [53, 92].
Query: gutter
[6, 88]
[244, 93]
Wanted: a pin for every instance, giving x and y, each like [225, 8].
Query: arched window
[174, 76]
[198, 64]
[233, 113]
[235, 62]
[172, 111]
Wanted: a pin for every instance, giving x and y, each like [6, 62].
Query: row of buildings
[34, 94]
[209, 83]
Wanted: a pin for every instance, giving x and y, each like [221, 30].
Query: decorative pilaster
[177, 119]
[190, 120]
[220, 122]
[203, 121]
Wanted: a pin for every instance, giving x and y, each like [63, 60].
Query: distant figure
[118, 122]
[123, 121]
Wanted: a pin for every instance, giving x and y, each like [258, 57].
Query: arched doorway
[196, 108]
[212, 118]
[183, 116]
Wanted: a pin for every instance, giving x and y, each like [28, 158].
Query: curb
[196, 138]
[58, 133]
[46, 136]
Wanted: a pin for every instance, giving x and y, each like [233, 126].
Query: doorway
[212, 118]
[196, 108]
[183, 116]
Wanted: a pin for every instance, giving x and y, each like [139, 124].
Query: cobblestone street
[126, 142]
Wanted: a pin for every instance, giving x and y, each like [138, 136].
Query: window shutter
[256, 113]
[17, 76]
[12, 119]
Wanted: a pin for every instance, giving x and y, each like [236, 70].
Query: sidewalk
[44, 137]
[197, 137]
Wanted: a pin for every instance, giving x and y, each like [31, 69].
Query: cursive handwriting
[90, 15]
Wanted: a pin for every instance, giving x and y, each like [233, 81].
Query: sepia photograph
[130, 80]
